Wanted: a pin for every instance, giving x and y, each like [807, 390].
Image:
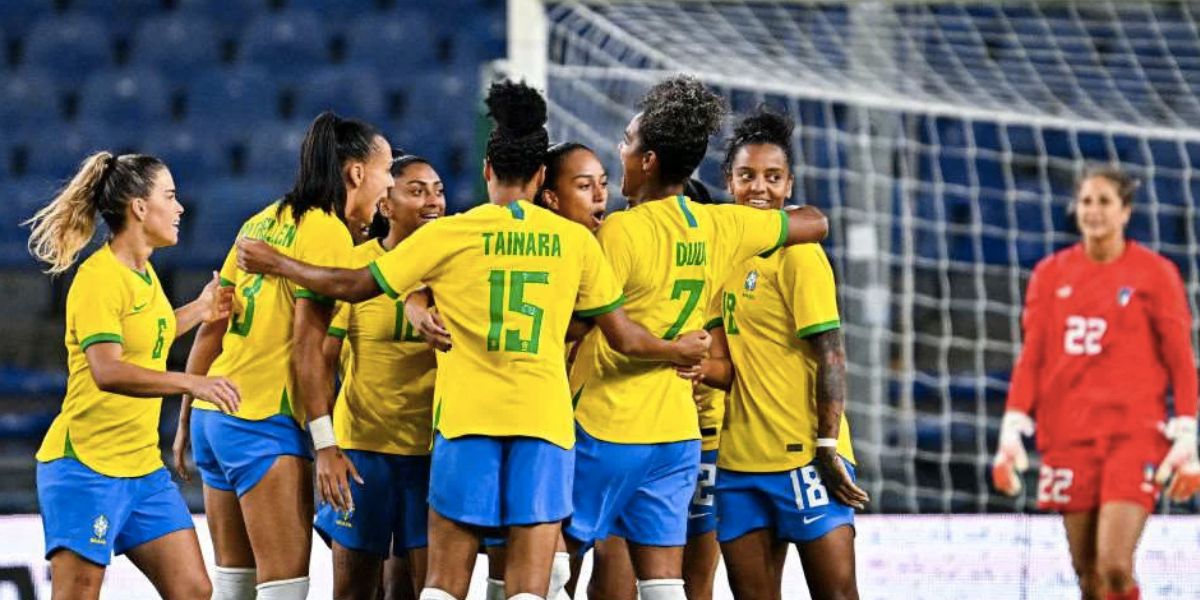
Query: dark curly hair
[761, 127]
[516, 148]
[554, 163]
[679, 115]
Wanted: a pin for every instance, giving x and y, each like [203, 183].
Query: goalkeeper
[1107, 327]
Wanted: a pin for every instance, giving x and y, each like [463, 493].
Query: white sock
[435, 594]
[495, 589]
[559, 574]
[661, 589]
[284, 589]
[234, 583]
[525, 596]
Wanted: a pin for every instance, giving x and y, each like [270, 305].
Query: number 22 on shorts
[1053, 485]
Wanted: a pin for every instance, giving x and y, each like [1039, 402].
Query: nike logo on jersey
[811, 520]
[137, 308]
[1064, 291]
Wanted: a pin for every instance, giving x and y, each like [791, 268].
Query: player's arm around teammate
[784, 467]
[1107, 329]
[102, 486]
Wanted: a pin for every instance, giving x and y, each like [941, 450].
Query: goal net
[942, 139]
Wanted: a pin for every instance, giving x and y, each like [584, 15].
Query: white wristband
[827, 443]
[321, 430]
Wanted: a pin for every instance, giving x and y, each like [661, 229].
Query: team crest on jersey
[1124, 295]
[99, 530]
[1064, 291]
[344, 518]
[751, 281]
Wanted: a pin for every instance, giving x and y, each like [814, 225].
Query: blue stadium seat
[56, 150]
[229, 17]
[17, 16]
[121, 15]
[192, 155]
[218, 211]
[274, 152]
[129, 97]
[28, 100]
[348, 91]
[393, 45]
[231, 102]
[23, 198]
[176, 46]
[69, 47]
[445, 99]
[289, 44]
[341, 11]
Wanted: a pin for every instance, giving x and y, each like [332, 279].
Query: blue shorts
[94, 515]
[702, 512]
[794, 504]
[390, 513]
[234, 454]
[637, 491]
[500, 481]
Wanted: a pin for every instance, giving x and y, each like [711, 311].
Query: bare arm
[419, 310]
[206, 347]
[831, 402]
[577, 329]
[116, 376]
[331, 349]
[213, 304]
[717, 370]
[632, 339]
[350, 285]
[806, 224]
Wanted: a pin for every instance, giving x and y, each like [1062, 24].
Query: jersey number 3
[517, 280]
[1082, 337]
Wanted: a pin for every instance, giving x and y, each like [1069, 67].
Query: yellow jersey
[712, 411]
[768, 307]
[506, 279]
[386, 401]
[668, 255]
[112, 434]
[257, 348]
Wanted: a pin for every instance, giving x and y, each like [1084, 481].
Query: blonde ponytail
[64, 227]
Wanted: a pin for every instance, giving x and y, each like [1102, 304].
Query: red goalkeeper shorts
[1082, 477]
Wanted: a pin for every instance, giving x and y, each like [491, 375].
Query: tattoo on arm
[831, 381]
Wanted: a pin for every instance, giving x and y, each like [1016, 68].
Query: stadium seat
[176, 46]
[231, 102]
[348, 91]
[23, 198]
[57, 150]
[228, 17]
[69, 47]
[28, 100]
[289, 44]
[444, 99]
[128, 97]
[392, 45]
[342, 11]
[274, 152]
[217, 212]
[17, 16]
[121, 15]
[193, 156]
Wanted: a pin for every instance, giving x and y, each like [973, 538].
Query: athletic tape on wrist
[827, 443]
[321, 430]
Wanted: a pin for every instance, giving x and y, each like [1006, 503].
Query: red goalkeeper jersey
[1102, 343]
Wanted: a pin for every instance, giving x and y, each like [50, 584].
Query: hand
[693, 373]
[429, 324]
[179, 450]
[218, 390]
[216, 299]
[257, 256]
[837, 479]
[334, 472]
[691, 348]
[1011, 460]
[1181, 466]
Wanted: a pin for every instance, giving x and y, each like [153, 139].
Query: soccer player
[639, 440]
[102, 486]
[784, 473]
[256, 463]
[1107, 328]
[384, 412]
[506, 276]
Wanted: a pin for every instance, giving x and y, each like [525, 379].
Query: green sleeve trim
[315, 297]
[382, 281]
[714, 323]
[816, 328]
[337, 332]
[227, 283]
[783, 233]
[100, 338]
[601, 310]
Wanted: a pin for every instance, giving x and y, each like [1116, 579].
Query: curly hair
[516, 148]
[760, 127]
[679, 115]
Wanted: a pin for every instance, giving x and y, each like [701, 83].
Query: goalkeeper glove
[1010, 460]
[1181, 466]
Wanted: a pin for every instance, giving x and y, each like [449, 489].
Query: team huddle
[664, 386]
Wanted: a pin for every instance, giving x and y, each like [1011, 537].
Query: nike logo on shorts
[697, 515]
[811, 520]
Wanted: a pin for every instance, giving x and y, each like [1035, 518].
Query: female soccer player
[507, 276]
[1107, 326]
[637, 460]
[255, 463]
[784, 473]
[101, 483]
[384, 412]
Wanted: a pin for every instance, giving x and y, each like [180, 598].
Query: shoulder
[1061, 260]
[1151, 262]
[367, 251]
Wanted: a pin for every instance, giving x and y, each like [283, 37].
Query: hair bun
[517, 108]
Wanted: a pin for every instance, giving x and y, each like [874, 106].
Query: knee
[1090, 583]
[200, 589]
[1115, 573]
